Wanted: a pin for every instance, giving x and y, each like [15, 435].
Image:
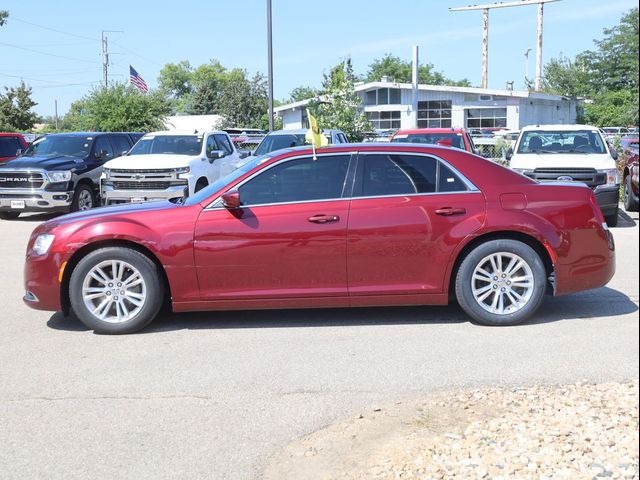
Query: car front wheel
[116, 290]
[501, 282]
[630, 203]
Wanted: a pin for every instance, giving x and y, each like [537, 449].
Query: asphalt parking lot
[215, 395]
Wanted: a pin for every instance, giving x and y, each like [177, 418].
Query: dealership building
[390, 106]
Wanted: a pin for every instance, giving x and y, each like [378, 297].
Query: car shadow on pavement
[603, 302]
[625, 220]
[37, 217]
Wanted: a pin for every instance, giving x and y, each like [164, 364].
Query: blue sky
[308, 38]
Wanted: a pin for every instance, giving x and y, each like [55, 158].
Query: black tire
[9, 215]
[630, 204]
[200, 184]
[83, 198]
[153, 286]
[612, 220]
[477, 258]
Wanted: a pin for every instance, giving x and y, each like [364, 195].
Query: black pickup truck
[59, 172]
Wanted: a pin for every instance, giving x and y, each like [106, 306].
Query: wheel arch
[91, 247]
[525, 238]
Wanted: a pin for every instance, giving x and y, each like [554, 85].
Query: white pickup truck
[168, 165]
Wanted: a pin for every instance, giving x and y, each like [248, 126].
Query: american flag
[137, 80]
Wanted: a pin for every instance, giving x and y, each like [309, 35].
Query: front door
[408, 214]
[288, 239]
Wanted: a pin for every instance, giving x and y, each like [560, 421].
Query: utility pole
[56, 114]
[105, 56]
[485, 33]
[526, 68]
[270, 64]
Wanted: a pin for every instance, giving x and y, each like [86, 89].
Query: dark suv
[58, 172]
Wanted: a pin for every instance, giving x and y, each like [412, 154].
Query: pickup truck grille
[590, 176]
[125, 172]
[21, 180]
[141, 185]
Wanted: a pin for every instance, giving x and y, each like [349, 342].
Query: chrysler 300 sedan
[352, 226]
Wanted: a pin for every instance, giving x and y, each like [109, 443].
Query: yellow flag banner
[314, 136]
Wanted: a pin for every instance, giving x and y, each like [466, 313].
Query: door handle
[324, 218]
[449, 211]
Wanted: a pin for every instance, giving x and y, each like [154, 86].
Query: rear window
[9, 146]
[442, 139]
[271, 143]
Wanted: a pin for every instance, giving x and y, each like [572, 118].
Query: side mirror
[124, 152]
[231, 199]
[244, 153]
[509, 154]
[215, 154]
[614, 153]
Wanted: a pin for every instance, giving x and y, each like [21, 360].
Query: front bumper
[30, 200]
[607, 197]
[111, 196]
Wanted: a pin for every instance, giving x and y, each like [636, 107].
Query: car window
[442, 139]
[103, 144]
[298, 180]
[274, 142]
[448, 181]
[120, 144]
[398, 175]
[9, 146]
[223, 142]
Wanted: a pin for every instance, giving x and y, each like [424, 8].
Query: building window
[384, 120]
[434, 114]
[383, 96]
[487, 118]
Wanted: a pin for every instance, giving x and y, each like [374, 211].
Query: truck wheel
[116, 290]
[612, 220]
[630, 205]
[83, 198]
[200, 184]
[501, 282]
[9, 215]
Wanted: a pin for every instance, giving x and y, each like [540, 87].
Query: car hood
[531, 161]
[59, 162]
[142, 162]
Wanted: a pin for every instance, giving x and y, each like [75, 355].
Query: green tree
[617, 107]
[3, 17]
[244, 101]
[118, 108]
[302, 93]
[566, 77]
[15, 108]
[340, 106]
[401, 71]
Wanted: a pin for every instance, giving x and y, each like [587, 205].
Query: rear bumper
[112, 196]
[34, 200]
[607, 197]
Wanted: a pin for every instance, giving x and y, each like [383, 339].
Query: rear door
[408, 213]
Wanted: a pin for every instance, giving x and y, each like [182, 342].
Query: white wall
[292, 119]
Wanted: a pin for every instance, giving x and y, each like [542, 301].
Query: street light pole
[270, 64]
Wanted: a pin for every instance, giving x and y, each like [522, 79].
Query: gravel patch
[580, 431]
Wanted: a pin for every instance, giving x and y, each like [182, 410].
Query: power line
[136, 54]
[55, 30]
[46, 53]
[33, 79]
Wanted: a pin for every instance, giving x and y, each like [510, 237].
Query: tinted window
[120, 144]
[271, 143]
[449, 181]
[398, 175]
[103, 144]
[9, 146]
[442, 139]
[298, 180]
[224, 144]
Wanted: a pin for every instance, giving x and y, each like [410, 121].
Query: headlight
[55, 177]
[105, 173]
[182, 170]
[43, 243]
[613, 176]
[523, 171]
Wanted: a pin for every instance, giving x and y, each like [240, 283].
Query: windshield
[442, 139]
[172, 144]
[567, 141]
[271, 143]
[57, 145]
[209, 190]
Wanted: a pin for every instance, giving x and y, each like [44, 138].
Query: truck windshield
[60, 145]
[442, 139]
[172, 144]
[271, 143]
[567, 141]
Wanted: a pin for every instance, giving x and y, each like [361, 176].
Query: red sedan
[360, 225]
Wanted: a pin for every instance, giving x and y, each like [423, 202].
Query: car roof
[369, 146]
[411, 131]
[560, 127]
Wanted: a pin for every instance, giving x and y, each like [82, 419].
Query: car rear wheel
[630, 203]
[501, 282]
[612, 220]
[116, 290]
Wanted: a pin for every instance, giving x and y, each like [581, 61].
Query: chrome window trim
[217, 205]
